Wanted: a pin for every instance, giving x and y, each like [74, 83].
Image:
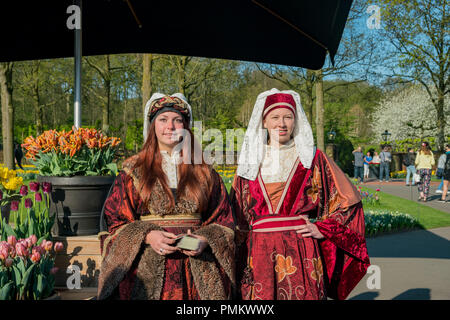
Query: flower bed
[384, 221]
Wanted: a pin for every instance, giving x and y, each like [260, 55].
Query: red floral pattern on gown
[285, 265]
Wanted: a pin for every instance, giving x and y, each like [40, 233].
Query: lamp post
[331, 147]
[385, 136]
[331, 135]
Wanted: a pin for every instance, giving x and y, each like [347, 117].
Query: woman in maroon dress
[300, 222]
[157, 196]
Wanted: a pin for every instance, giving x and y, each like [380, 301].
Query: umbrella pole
[77, 54]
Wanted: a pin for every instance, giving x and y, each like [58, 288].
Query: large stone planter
[77, 202]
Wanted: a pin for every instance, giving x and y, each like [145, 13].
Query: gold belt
[179, 220]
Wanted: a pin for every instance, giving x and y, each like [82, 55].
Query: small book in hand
[187, 242]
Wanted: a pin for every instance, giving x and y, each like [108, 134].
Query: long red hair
[194, 178]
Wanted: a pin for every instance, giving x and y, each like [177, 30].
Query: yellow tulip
[3, 173]
[14, 183]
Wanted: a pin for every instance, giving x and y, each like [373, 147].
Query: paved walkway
[399, 189]
[412, 266]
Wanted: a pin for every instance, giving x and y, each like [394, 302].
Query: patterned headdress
[160, 103]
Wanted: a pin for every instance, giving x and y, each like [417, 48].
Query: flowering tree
[407, 113]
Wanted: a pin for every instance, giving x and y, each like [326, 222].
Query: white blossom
[404, 111]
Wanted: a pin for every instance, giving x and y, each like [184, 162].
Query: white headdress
[251, 154]
[157, 96]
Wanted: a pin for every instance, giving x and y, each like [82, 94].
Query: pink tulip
[23, 190]
[378, 189]
[28, 243]
[12, 252]
[12, 240]
[38, 249]
[34, 186]
[47, 187]
[4, 252]
[14, 205]
[21, 250]
[33, 239]
[28, 203]
[59, 247]
[35, 257]
[9, 262]
[47, 245]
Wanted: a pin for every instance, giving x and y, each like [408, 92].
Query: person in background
[367, 161]
[18, 154]
[440, 172]
[359, 164]
[408, 161]
[424, 163]
[446, 174]
[376, 163]
[386, 159]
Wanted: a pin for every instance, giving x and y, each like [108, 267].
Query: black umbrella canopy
[296, 33]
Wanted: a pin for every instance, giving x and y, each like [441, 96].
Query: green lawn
[428, 217]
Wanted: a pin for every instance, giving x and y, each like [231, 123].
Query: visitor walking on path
[408, 161]
[446, 174]
[386, 159]
[358, 163]
[440, 172]
[424, 163]
[367, 161]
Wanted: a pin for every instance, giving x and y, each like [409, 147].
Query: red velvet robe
[285, 265]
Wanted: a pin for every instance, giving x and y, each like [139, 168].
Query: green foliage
[344, 154]
[134, 138]
[88, 162]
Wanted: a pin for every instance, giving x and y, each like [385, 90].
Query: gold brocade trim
[151, 217]
[179, 220]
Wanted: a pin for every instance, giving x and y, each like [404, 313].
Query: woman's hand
[203, 245]
[309, 230]
[161, 241]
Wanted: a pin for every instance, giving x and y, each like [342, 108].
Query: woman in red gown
[300, 221]
[157, 196]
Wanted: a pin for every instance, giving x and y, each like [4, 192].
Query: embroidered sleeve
[120, 208]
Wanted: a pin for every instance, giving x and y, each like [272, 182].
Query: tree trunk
[309, 95]
[6, 91]
[147, 66]
[36, 98]
[319, 111]
[441, 121]
[181, 81]
[105, 113]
